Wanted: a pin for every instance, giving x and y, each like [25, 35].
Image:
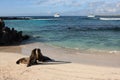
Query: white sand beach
[81, 66]
[59, 39]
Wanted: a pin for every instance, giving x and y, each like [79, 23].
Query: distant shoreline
[15, 18]
[35, 17]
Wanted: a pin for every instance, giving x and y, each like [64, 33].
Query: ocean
[72, 32]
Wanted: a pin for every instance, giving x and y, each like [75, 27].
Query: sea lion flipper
[22, 60]
[18, 62]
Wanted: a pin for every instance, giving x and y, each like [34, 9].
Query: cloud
[41, 2]
[104, 7]
[96, 3]
[48, 2]
[69, 3]
[118, 5]
[84, 6]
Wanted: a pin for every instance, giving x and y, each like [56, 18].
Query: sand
[81, 66]
[15, 49]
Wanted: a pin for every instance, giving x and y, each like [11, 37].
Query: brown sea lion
[43, 58]
[23, 60]
[28, 60]
[33, 58]
[36, 55]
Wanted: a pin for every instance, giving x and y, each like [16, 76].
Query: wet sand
[14, 49]
[75, 56]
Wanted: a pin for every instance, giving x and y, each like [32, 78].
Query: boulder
[10, 36]
[2, 24]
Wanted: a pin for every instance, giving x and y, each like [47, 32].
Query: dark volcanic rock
[10, 36]
[2, 24]
[15, 18]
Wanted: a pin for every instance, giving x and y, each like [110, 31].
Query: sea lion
[36, 55]
[28, 60]
[23, 60]
[33, 58]
[43, 58]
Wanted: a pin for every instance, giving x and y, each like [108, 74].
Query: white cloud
[118, 5]
[48, 2]
[96, 3]
[102, 7]
[71, 3]
[95, 6]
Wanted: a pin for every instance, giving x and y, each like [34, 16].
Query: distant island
[15, 18]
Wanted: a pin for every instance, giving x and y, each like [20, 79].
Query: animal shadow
[52, 62]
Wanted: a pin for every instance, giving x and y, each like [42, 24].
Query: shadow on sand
[52, 63]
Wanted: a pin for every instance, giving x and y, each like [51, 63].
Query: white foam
[114, 52]
[109, 18]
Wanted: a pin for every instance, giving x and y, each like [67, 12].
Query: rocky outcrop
[10, 36]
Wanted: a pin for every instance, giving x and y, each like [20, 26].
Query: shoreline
[90, 50]
[82, 66]
[86, 51]
[75, 56]
[72, 55]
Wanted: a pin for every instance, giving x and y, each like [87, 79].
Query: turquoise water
[71, 32]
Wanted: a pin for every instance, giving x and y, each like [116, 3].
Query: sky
[63, 7]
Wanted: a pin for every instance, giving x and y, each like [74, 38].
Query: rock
[25, 37]
[2, 24]
[10, 36]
